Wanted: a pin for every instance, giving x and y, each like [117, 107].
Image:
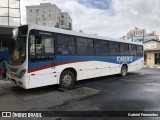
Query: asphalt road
[139, 91]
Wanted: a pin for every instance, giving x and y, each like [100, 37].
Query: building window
[62, 22]
[43, 23]
[49, 15]
[37, 10]
[140, 50]
[50, 9]
[66, 45]
[42, 15]
[30, 10]
[37, 21]
[85, 46]
[62, 16]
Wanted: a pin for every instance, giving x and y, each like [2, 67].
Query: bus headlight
[21, 73]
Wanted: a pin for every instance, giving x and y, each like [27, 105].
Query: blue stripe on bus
[110, 59]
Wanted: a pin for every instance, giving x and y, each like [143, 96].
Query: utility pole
[143, 35]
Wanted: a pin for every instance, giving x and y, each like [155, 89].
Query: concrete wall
[150, 57]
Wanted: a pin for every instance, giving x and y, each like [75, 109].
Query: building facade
[144, 38]
[49, 15]
[6, 41]
[9, 19]
[66, 20]
[152, 52]
[140, 35]
[136, 32]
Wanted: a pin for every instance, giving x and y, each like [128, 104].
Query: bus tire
[124, 70]
[67, 80]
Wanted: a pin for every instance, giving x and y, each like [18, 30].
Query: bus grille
[12, 69]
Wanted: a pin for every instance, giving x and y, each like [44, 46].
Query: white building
[136, 32]
[144, 38]
[66, 20]
[140, 35]
[49, 15]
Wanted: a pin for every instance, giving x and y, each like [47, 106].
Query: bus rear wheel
[67, 80]
[124, 71]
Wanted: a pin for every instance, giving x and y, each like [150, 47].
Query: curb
[154, 66]
[4, 81]
[85, 92]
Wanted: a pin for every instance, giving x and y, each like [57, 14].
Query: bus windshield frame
[18, 56]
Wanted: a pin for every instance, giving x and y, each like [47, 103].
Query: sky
[111, 18]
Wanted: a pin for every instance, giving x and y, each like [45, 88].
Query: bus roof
[69, 32]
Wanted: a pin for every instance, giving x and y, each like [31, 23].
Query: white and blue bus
[45, 56]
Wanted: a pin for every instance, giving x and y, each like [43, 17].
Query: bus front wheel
[67, 79]
[124, 71]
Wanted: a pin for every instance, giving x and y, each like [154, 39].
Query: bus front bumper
[20, 82]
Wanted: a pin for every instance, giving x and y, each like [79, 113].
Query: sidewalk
[4, 81]
[152, 66]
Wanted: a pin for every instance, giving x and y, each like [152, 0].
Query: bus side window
[32, 45]
[101, 47]
[139, 50]
[124, 49]
[41, 47]
[114, 48]
[132, 49]
[85, 46]
[66, 45]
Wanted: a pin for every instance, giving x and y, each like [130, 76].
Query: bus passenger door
[41, 59]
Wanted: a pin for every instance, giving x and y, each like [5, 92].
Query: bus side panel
[39, 80]
[136, 64]
[85, 70]
[140, 62]
[84, 65]
[42, 74]
[107, 65]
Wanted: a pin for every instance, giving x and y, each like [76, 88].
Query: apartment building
[136, 32]
[48, 14]
[140, 35]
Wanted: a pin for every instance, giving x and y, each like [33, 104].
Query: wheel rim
[66, 80]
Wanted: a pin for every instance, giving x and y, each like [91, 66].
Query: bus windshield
[19, 51]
